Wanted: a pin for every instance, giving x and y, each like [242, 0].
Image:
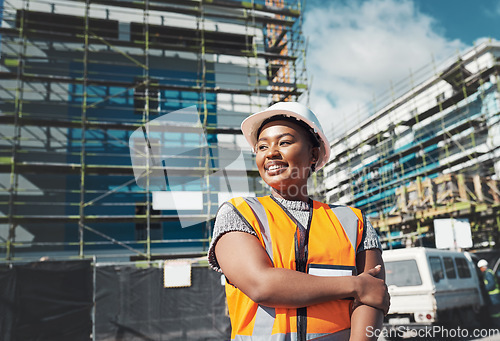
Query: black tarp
[133, 305]
[46, 301]
[52, 301]
[7, 301]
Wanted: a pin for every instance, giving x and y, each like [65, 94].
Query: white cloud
[357, 48]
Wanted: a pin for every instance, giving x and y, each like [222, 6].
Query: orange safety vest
[329, 247]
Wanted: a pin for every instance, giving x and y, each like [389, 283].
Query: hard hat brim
[482, 263]
[251, 125]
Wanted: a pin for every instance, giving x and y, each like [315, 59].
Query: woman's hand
[372, 291]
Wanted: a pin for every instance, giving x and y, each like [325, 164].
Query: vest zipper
[301, 256]
[300, 265]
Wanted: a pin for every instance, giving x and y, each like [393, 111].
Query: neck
[291, 194]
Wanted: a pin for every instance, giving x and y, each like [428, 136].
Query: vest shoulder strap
[349, 221]
[261, 217]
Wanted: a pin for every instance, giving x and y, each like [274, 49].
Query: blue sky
[466, 20]
[361, 51]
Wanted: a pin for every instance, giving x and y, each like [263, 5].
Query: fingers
[384, 306]
[355, 304]
[374, 271]
[386, 303]
[388, 300]
[374, 291]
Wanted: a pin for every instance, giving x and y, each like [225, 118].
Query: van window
[402, 273]
[449, 267]
[462, 267]
[436, 268]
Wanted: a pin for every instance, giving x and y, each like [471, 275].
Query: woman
[296, 269]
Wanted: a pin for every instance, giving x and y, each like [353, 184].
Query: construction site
[120, 138]
[81, 84]
[428, 150]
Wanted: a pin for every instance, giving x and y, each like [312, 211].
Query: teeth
[274, 167]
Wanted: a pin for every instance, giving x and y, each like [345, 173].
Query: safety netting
[54, 301]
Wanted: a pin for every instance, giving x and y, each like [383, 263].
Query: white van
[432, 287]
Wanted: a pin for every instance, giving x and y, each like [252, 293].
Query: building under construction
[432, 151]
[78, 78]
[103, 103]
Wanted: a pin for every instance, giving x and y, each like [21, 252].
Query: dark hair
[313, 137]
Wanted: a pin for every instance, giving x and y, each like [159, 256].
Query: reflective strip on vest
[496, 290]
[342, 335]
[260, 214]
[264, 321]
[349, 221]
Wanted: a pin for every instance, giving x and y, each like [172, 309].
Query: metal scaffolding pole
[74, 71]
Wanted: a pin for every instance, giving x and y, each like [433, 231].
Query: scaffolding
[442, 121]
[78, 78]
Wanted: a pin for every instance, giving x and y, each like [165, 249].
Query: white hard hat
[482, 262]
[251, 125]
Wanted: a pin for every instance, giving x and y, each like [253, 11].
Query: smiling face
[284, 156]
